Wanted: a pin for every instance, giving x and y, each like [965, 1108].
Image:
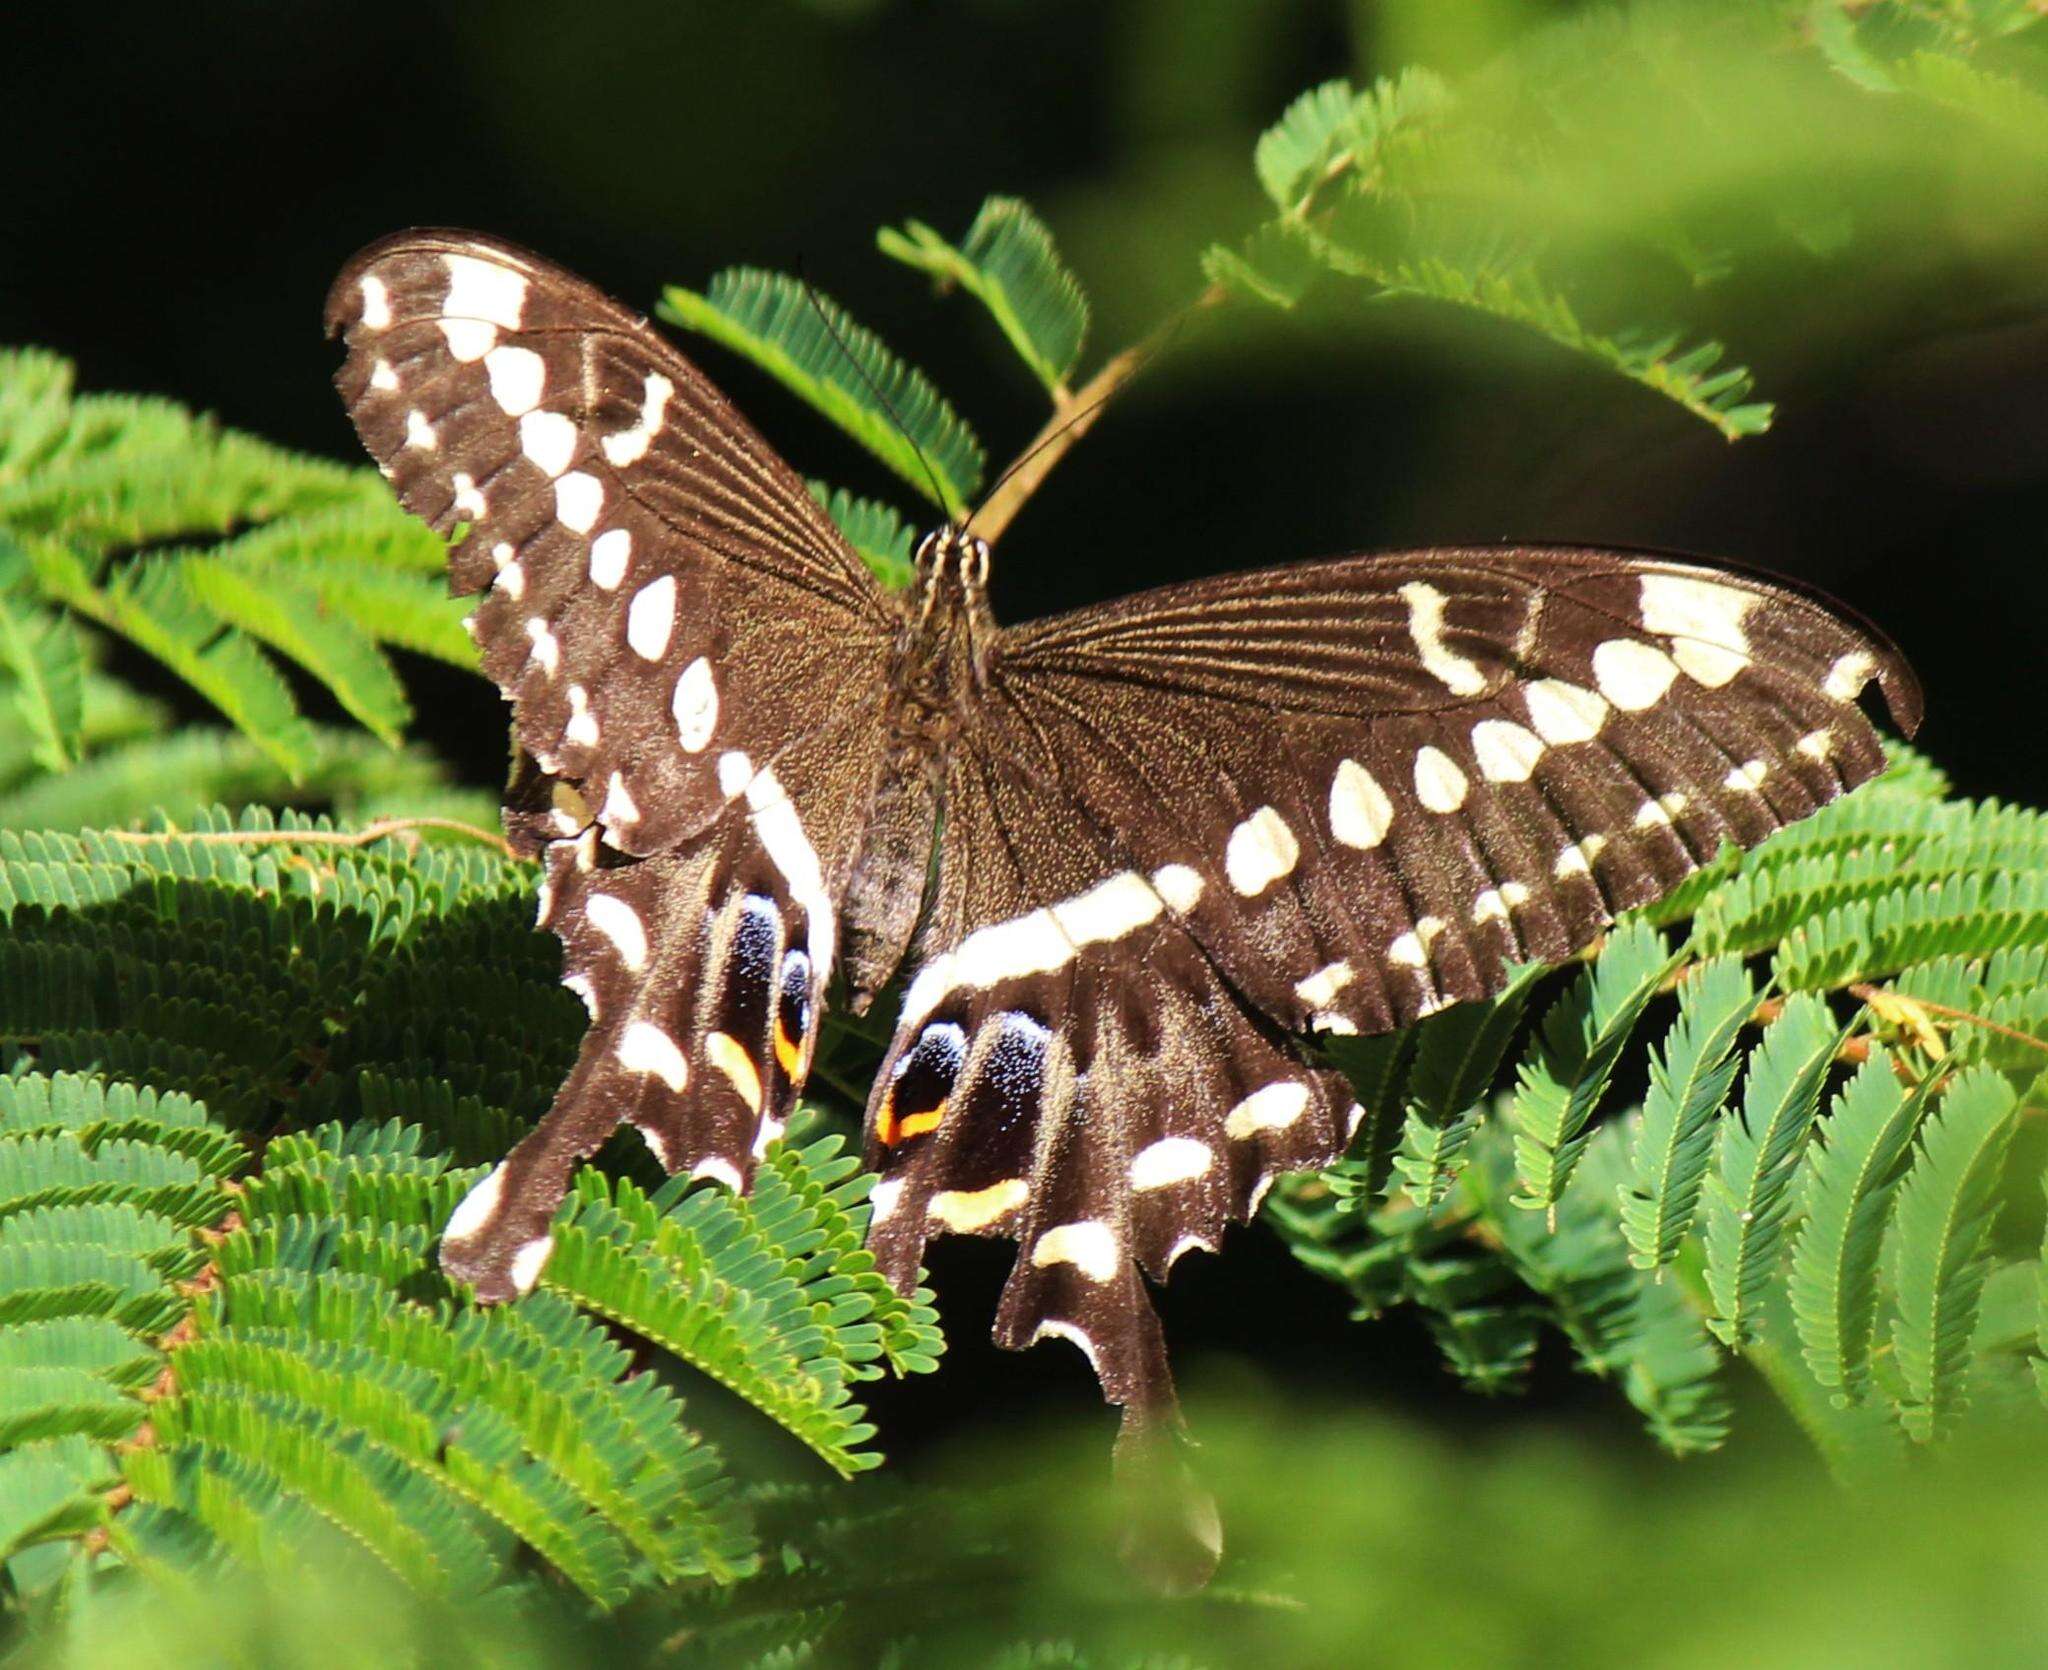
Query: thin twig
[383, 830]
[1074, 416]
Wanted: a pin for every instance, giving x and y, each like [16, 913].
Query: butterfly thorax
[940, 665]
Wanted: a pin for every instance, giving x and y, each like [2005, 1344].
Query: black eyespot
[924, 1078]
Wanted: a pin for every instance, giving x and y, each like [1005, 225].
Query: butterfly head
[952, 597]
[951, 555]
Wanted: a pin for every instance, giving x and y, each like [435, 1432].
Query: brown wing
[662, 588]
[696, 661]
[1192, 825]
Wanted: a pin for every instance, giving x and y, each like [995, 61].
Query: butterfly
[1135, 860]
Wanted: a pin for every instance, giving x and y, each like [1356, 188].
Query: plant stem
[1073, 416]
[383, 830]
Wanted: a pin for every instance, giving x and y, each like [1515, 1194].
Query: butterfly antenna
[881, 398]
[1074, 419]
[1111, 383]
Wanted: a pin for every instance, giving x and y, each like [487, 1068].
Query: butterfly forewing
[696, 664]
[1535, 739]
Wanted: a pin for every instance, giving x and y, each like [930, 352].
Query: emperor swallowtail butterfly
[1167, 838]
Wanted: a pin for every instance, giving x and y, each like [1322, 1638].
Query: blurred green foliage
[245, 1420]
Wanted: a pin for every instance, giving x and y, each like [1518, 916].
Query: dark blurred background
[187, 180]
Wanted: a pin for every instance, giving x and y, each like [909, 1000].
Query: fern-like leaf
[1750, 1199]
[1863, 1148]
[1581, 1039]
[875, 530]
[1940, 1241]
[1456, 1056]
[42, 652]
[1009, 263]
[810, 346]
[1690, 1077]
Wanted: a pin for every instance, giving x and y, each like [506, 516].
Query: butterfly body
[937, 674]
[1133, 859]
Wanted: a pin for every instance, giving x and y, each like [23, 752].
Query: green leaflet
[1378, 1070]
[289, 618]
[875, 530]
[1624, 1324]
[1750, 1199]
[309, 560]
[42, 652]
[1690, 1076]
[1308, 139]
[1580, 1040]
[809, 345]
[1405, 254]
[1009, 263]
[311, 1372]
[1457, 1054]
[1939, 1242]
[1861, 1154]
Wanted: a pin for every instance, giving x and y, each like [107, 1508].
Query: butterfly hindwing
[1071, 1072]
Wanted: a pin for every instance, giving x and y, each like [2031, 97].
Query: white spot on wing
[549, 440]
[1260, 851]
[1090, 1246]
[517, 377]
[1816, 745]
[1439, 784]
[546, 650]
[650, 617]
[1848, 675]
[1747, 777]
[645, 1048]
[620, 923]
[1109, 910]
[579, 501]
[528, 1262]
[1319, 990]
[609, 552]
[469, 339]
[1564, 713]
[1273, 1108]
[582, 726]
[1426, 627]
[382, 377]
[420, 433]
[695, 706]
[1631, 674]
[477, 1208]
[720, 1171]
[467, 499]
[1179, 886]
[1704, 620]
[1505, 751]
[479, 289]
[965, 1210]
[1360, 812]
[376, 303]
[883, 1198]
[630, 445]
[1168, 1161]
[619, 808]
[1577, 859]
